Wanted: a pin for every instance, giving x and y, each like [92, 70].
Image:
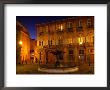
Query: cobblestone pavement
[33, 69]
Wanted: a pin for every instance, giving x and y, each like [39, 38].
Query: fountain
[59, 56]
[58, 68]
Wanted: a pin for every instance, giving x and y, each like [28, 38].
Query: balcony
[59, 31]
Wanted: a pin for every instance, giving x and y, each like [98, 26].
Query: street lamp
[80, 43]
[20, 43]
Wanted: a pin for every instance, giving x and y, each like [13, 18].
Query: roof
[21, 27]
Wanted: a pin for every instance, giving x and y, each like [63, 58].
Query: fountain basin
[58, 70]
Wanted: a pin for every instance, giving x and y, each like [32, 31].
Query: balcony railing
[60, 45]
[87, 44]
[59, 31]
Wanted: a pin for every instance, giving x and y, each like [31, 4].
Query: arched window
[88, 23]
[80, 23]
[69, 25]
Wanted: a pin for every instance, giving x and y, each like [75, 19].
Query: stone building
[74, 37]
[22, 44]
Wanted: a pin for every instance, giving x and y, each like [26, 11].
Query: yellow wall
[22, 44]
[25, 50]
[79, 40]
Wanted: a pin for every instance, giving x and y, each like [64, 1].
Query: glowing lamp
[20, 42]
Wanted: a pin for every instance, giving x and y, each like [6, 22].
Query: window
[42, 43]
[80, 40]
[40, 30]
[70, 51]
[80, 27]
[80, 24]
[69, 25]
[60, 41]
[88, 23]
[61, 27]
[92, 51]
[70, 41]
[51, 42]
[61, 56]
[39, 43]
[46, 28]
[31, 51]
[57, 26]
[81, 51]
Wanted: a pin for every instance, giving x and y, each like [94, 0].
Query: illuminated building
[74, 36]
[22, 44]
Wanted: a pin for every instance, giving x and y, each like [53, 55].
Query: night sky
[30, 21]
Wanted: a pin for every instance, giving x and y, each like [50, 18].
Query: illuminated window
[61, 27]
[80, 40]
[70, 41]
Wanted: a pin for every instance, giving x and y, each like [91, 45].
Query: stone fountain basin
[58, 70]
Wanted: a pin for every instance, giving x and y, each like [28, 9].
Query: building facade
[74, 37]
[22, 44]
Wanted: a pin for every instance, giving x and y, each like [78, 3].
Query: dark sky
[30, 21]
